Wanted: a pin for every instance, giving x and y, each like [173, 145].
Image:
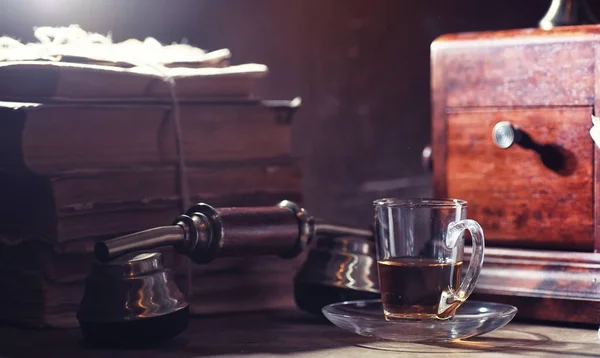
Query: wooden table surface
[294, 333]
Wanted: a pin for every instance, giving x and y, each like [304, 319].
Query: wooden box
[537, 200]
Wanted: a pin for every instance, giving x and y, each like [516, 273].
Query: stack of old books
[92, 146]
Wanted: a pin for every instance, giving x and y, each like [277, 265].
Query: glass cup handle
[450, 300]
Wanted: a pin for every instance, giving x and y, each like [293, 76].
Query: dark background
[361, 68]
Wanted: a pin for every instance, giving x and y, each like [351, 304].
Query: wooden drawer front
[518, 200]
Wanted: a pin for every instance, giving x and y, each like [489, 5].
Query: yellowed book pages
[45, 81]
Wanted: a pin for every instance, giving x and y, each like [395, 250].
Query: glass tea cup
[419, 244]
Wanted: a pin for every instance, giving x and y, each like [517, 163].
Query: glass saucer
[473, 318]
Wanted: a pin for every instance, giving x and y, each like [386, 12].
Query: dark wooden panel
[547, 309]
[597, 162]
[514, 193]
[544, 285]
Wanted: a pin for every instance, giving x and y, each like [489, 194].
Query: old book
[226, 285]
[48, 139]
[104, 202]
[46, 81]
[35, 302]
[80, 191]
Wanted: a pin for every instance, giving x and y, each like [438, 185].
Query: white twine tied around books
[57, 42]
[184, 189]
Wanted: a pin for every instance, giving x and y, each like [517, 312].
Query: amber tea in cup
[419, 245]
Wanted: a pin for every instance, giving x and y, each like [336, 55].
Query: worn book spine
[104, 203]
[50, 139]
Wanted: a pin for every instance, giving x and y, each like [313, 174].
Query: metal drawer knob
[505, 134]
